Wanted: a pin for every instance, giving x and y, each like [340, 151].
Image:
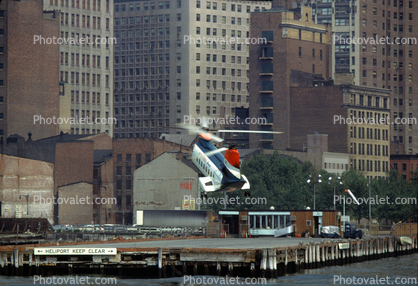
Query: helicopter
[221, 172]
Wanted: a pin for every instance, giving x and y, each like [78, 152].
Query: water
[399, 267]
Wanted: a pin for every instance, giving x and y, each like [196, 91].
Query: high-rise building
[29, 85]
[177, 60]
[292, 89]
[296, 47]
[376, 40]
[86, 61]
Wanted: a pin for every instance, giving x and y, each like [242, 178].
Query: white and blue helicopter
[221, 173]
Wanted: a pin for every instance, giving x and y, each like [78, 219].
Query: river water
[388, 271]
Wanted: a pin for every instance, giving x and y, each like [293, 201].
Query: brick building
[387, 65]
[404, 164]
[329, 109]
[26, 188]
[128, 155]
[28, 72]
[75, 160]
[295, 48]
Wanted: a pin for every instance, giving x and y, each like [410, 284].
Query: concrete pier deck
[245, 257]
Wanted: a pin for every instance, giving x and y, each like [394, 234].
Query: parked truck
[350, 231]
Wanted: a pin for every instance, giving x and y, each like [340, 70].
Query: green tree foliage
[283, 182]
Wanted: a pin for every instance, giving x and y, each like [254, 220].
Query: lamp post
[314, 181]
[334, 183]
[27, 203]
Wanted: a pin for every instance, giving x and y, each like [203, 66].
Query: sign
[188, 205]
[317, 213]
[344, 245]
[74, 251]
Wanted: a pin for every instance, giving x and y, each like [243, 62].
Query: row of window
[395, 76]
[400, 100]
[143, 33]
[85, 40]
[143, 123]
[144, 98]
[84, 77]
[370, 101]
[144, 20]
[234, 33]
[146, 6]
[361, 149]
[146, 110]
[395, 167]
[85, 21]
[214, 71]
[214, 19]
[400, 140]
[83, 60]
[336, 166]
[234, 7]
[85, 97]
[86, 131]
[83, 4]
[367, 165]
[86, 114]
[142, 58]
[367, 133]
[385, 26]
[396, 65]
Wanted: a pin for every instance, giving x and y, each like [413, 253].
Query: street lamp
[314, 181]
[334, 183]
[27, 203]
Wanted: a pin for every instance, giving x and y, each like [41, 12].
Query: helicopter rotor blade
[249, 131]
[198, 130]
[211, 153]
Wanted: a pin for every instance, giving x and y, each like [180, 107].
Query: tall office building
[391, 65]
[171, 62]
[29, 84]
[86, 60]
[293, 90]
[295, 47]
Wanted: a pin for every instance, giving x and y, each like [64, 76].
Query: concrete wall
[75, 204]
[20, 177]
[161, 184]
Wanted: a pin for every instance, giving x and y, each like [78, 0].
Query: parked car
[350, 231]
[330, 231]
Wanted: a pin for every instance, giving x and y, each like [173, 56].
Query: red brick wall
[285, 58]
[78, 212]
[73, 163]
[313, 109]
[31, 85]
